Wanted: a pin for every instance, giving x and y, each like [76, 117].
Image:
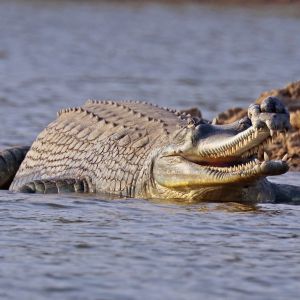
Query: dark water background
[55, 54]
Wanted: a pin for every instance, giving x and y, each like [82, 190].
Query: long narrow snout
[226, 145]
[226, 154]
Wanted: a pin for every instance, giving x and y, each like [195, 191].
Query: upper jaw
[239, 149]
[236, 157]
[233, 146]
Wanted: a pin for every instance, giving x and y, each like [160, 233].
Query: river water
[55, 54]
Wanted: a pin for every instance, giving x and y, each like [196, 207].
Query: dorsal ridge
[79, 110]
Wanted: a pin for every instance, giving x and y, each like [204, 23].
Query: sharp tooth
[285, 158]
[256, 161]
[271, 132]
[266, 156]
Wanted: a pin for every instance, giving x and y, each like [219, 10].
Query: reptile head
[204, 155]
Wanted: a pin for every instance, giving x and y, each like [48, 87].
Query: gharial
[136, 149]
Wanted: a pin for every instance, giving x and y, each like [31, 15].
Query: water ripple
[60, 53]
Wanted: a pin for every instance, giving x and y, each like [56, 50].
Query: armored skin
[136, 149]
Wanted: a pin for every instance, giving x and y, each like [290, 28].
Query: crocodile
[141, 150]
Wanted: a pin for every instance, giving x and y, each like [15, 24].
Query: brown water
[57, 54]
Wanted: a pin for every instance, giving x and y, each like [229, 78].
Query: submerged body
[136, 149]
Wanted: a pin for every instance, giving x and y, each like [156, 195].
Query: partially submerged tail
[10, 161]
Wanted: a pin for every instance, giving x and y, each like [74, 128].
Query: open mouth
[229, 159]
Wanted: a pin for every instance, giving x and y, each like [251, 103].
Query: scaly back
[109, 144]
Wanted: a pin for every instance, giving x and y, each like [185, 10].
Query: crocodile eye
[195, 121]
[203, 121]
[201, 131]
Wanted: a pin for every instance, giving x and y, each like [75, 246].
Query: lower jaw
[179, 174]
[249, 172]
